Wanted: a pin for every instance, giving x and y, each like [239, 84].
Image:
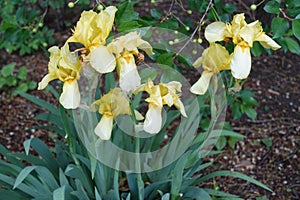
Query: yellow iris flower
[65, 66]
[213, 60]
[161, 94]
[91, 31]
[243, 35]
[110, 105]
[124, 48]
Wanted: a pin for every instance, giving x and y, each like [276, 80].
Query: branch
[195, 31]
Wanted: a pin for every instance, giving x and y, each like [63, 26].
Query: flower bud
[189, 12]
[253, 7]
[100, 7]
[71, 4]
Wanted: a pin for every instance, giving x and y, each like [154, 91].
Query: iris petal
[129, 76]
[102, 60]
[215, 31]
[44, 82]
[153, 119]
[267, 42]
[241, 62]
[200, 87]
[70, 97]
[104, 127]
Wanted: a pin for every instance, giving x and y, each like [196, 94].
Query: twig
[195, 31]
[247, 8]
[285, 15]
[171, 7]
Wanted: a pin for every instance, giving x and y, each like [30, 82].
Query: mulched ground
[275, 82]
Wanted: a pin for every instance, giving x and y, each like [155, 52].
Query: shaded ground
[275, 81]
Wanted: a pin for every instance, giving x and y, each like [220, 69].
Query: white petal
[129, 76]
[215, 31]
[44, 82]
[267, 42]
[153, 121]
[70, 97]
[138, 115]
[179, 105]
[104, 127]
[102, 60]
[202, 84]
[241, 62]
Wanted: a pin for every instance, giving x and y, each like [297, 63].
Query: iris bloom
[161, 94]
[243, 35]
[110, 105]
[91, 31]
[124, 48]
[65, 66]
[213, 60]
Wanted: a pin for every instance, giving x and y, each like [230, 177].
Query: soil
[269, 153]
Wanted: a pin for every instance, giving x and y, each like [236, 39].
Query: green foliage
[15, 82]
[285, 26]
[22, 27]
[241, 103]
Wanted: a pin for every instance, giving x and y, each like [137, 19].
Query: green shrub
[15, 82]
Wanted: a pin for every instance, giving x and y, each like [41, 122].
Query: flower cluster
[92, 31]
[216, 58]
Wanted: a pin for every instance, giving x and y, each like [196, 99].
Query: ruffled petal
[215, 31]
[202, 84]
[241, 62]
[105, 21]
[44, 82]
[153, 119]
[70, 97]
[250, 31]
[104, 127]
[267, 42]
[102, 60]
[81, 33]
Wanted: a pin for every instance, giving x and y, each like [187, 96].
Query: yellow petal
[179, 105]
[130, 42]
[105, 21]
[250, 31]
[69, 60]
[102, 60]
[138, 115]
[44, 82]
[70, 97]
[54, 59]
[104, 127]
[113, 102]
[214, 59]
[200, 87]
[267, 42]
[237, 23]
[168, 99]
[81, 33]
[153, 119]
[241, 62]
[198, 62]
[129, 76]
[215, 32]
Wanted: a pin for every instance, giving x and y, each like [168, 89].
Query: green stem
[139, 179]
